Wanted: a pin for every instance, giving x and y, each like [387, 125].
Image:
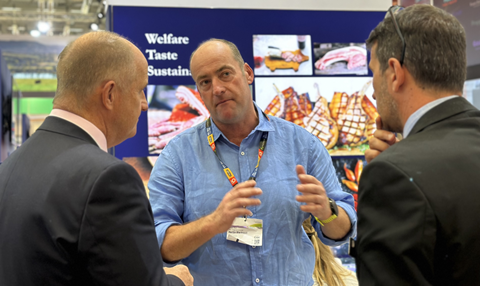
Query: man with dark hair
[418, 198]
[242, 224]
[70, 213]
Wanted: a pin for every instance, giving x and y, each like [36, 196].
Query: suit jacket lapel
[441, 112]
[58, 125]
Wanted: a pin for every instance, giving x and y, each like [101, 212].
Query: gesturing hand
[233, 205]
[313, 194]
[381, 140]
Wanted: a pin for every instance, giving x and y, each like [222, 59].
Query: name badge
[247, 231]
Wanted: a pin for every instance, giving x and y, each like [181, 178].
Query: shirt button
[243, 153]
[257, 280]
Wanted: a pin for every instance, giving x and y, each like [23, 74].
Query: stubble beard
[390, 121]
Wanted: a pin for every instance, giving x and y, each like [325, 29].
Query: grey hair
[233, 48]
[435, 52]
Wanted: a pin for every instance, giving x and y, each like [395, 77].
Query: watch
[334, 209]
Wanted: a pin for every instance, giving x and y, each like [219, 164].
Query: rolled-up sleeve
[320, 166]
[166, 194]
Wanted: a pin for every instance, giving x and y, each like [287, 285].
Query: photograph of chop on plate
[282, 55]
[278, 59]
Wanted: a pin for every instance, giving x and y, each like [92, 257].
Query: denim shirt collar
[264, 125]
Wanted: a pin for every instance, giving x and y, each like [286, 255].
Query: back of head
[88, 61]
[435, 52]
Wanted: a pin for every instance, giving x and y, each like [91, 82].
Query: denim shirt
[188, 183]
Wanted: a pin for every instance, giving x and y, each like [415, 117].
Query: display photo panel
[339, 111]
[275, 43]
[339, 58]
[282, 55]
[171, 110]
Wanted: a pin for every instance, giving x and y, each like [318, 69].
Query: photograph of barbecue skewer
[282, 55]
[339, 58]
[339, 111]
[171, 110]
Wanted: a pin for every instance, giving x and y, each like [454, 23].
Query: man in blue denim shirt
[197, 194]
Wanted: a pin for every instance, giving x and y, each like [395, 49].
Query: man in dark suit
[418, 221]
[70, 213]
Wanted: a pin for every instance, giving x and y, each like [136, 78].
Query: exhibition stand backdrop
[325, 38]
[167, 36]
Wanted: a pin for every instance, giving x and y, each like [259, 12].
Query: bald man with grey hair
[237, 56]
[70, 213]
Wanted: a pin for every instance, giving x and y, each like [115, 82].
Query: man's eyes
[224, 74]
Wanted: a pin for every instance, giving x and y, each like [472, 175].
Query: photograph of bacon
[282, 55]
[339, 111]
[171, 110]
[337, 58]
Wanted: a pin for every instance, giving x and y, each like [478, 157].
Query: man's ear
[248, 73]
[397, 74]
[109, 90]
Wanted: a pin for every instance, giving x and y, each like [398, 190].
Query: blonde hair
[327, 270]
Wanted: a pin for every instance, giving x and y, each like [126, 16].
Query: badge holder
[247, 231]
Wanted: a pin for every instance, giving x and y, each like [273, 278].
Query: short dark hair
[435, 54]
[233, 48]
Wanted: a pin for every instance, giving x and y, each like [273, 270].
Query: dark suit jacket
[419, 204]
[71, 214]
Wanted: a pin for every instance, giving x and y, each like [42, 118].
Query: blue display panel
[168, 36]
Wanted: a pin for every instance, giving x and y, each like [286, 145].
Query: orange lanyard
[228, 172]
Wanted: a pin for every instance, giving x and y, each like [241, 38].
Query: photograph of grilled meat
[291, 106]
[321, 123]
[343, 120]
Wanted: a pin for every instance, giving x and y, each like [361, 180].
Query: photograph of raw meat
[282, 55]
[340, 111]
[338, 58]
[171, 110]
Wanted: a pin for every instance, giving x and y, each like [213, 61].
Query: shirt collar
[413, 119]
[264, 125]
[85, 125]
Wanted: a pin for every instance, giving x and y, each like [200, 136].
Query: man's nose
[218, 87]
